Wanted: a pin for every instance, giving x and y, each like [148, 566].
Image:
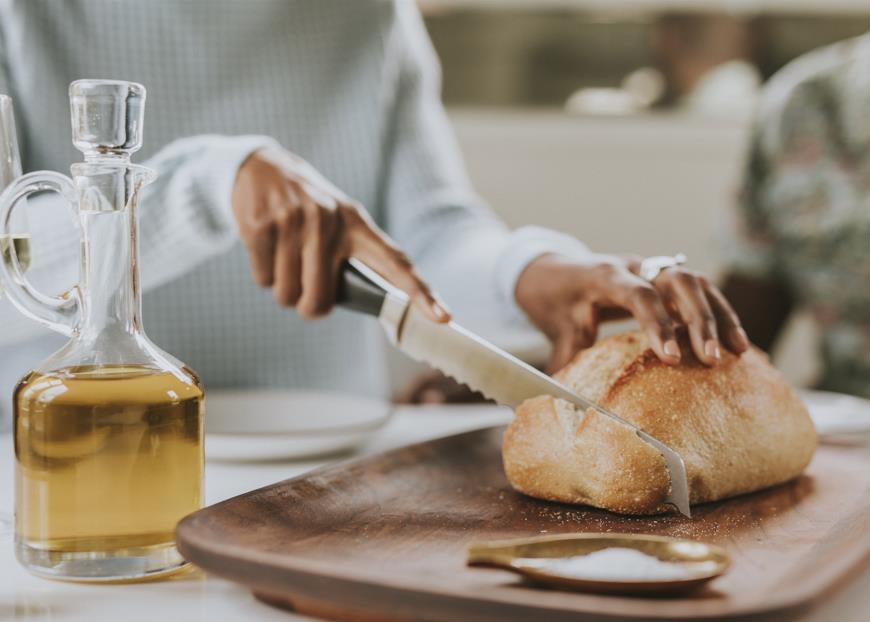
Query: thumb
[572, 337]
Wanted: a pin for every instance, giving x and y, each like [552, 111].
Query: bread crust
[739, 427]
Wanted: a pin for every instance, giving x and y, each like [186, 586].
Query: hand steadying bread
[738, 426]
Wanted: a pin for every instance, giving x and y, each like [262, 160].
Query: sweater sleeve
[185, 218]
[466, 253]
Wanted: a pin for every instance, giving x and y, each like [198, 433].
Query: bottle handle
[59, 313]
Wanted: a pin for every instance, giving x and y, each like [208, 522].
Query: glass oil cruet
[108, 430]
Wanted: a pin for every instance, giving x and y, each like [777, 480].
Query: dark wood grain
[384, 538]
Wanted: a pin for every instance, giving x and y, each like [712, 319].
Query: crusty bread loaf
[738, 426]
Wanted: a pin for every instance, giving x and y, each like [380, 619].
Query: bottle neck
[111, 301]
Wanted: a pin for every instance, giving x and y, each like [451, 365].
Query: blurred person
[804, 216]
[706, 63]
[289, 136]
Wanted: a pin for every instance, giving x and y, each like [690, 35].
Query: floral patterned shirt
[805, 209]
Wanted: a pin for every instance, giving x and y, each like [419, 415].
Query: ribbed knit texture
[352, 86]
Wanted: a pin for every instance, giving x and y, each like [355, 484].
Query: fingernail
[711, 349]
[440, 310]
[672, 348]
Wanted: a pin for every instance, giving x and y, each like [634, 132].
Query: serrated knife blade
[471, 360]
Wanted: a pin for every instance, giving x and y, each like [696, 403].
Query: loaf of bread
[738, 426]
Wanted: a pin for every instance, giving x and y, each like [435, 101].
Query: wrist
[532, 286]
[548, 288]
[227, 155]
[527, 246]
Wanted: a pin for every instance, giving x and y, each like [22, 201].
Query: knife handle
[361, 289]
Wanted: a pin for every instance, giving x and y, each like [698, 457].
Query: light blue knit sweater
[352, 86]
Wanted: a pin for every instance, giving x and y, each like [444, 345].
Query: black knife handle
[361, 289]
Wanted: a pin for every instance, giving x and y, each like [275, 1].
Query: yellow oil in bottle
[108, 459]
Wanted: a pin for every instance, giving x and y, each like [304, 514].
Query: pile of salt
[620, 564]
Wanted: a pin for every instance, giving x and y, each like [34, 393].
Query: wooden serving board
[384, 538]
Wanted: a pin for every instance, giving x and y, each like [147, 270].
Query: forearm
[474, 262]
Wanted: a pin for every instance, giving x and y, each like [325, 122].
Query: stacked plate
[260, 425]
[839, 417]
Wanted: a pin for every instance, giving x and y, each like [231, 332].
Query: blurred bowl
[262, 425]
[837, 416]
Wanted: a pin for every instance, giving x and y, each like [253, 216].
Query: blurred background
[624, 122]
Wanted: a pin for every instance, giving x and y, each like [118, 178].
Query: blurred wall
[651, 184]
[520, 54]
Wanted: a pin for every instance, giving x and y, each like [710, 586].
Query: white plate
[259, 425]
[837, 415]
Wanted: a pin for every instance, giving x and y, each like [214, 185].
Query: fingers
[374, 247]
[646, 305]
[289, 219]
[320, 261]
[730, 330]
[251, 204]
[305, 268]
[287, 286]
[299, 228]
[690, 300]
[397, 268]
[578, 333]
[312, 242]
[608, 285]
[259, 238]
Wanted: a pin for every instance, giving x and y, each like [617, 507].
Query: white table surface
[194, 597]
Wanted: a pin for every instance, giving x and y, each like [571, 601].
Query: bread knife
[472, 360]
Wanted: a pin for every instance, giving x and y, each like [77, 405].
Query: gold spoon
[541, 559]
